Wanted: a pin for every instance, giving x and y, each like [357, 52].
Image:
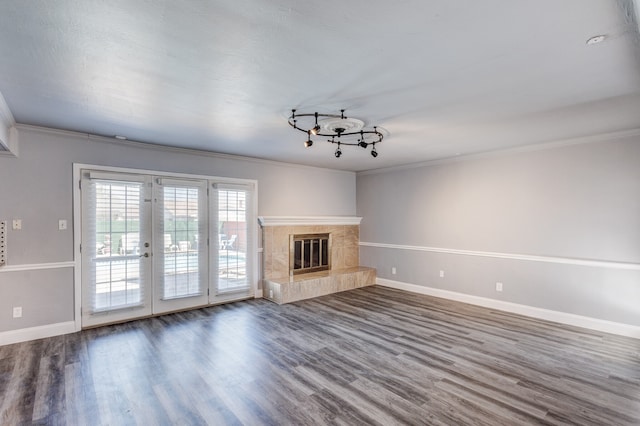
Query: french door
[180, 244]
[116, 239]
[155, 244]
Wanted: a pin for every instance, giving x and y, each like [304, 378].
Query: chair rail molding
[514, 256]
[37, 266]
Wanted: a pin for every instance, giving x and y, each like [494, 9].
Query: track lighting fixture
[316, 128]
[341, 129]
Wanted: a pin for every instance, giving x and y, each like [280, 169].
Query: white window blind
[232, 204]
[180, 262]
[112, 235]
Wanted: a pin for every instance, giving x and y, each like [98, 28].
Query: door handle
[145, 255]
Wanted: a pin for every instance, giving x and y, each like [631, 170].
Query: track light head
[316, 129]
[362, 142]
[374, 153]
[338, 152]
[308, 142]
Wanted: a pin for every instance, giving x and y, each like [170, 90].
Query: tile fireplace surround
[345, 273]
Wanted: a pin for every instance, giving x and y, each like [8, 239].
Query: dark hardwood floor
[367, 356]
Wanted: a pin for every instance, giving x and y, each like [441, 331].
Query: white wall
[37, 187]
[565, 204]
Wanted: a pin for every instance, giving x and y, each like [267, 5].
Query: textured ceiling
[444, 78]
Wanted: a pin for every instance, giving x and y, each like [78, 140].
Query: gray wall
[37, 187]
[579, 201]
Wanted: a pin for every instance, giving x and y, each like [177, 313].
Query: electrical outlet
[393, 270]
[441, 274]
[498, 286]
[17, 224]
[17, 311]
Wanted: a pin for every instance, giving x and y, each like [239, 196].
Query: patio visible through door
[147, 248]
[116, 238]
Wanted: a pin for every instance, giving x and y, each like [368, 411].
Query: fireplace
[306, 257]
[309, 253]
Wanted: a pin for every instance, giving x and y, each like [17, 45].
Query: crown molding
[172, 149]
[602, 137]
[307, 220]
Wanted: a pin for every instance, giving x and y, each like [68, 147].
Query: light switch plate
[62, 224]
[17, 224]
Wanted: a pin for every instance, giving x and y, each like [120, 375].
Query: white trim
[514, 256]
[603, 137]
[33, 333]
[77, 221]
[77, 241]
[308, 220]
[173, 149]
[256, 263]
[37, 266]
[145, 172]
[529, 311]
[8, 133]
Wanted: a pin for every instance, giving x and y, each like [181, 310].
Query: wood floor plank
[367, 356]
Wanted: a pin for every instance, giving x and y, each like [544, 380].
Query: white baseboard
[33, 333]
[530, 311]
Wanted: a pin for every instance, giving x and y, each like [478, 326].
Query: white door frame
[77, 226]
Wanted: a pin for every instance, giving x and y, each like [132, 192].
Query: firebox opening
[309, 253]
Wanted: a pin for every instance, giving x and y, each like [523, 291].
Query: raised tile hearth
[281, 286]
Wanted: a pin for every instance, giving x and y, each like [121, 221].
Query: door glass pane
[181, 241]
[116, 282]
[232, 231]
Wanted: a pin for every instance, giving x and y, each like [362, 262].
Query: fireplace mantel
[308, 220]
